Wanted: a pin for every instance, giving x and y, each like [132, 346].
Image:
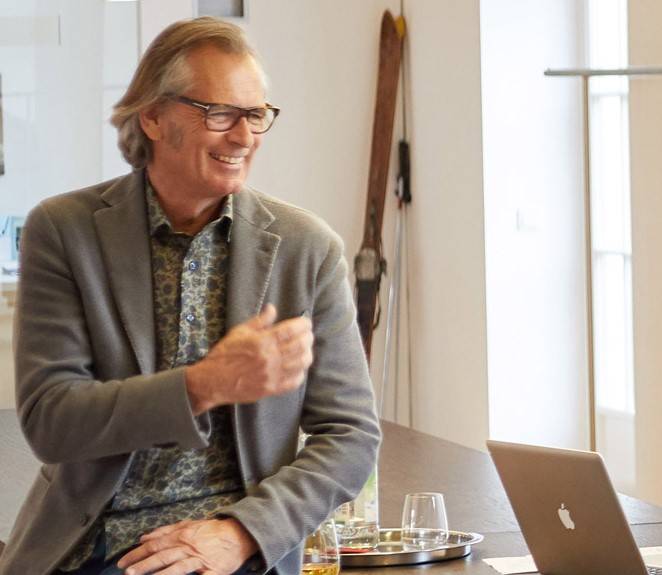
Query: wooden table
[411, 461]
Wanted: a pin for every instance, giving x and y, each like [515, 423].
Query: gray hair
[163, 72]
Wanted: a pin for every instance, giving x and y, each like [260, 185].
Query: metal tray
[390, 551]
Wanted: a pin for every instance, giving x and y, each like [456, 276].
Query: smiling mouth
[228, 159]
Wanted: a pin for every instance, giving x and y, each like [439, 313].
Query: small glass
[357, 521]
[424, 522]
[320, 552]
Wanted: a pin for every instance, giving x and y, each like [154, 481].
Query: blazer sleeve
[338, 413]
[65, 412]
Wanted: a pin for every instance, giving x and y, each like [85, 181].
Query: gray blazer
[88, 395]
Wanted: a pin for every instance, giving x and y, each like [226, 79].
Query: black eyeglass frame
[243, 112]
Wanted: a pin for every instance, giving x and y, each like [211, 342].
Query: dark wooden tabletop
[411, 461]
[509, 544]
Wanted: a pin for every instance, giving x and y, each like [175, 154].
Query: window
[610, 202]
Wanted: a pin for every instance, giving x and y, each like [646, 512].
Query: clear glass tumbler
[320, 552]
[424, 522]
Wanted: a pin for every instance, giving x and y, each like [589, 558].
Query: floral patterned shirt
[170, 484]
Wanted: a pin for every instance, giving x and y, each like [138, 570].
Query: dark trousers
[97, 564]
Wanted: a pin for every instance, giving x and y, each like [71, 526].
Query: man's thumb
[265, 318]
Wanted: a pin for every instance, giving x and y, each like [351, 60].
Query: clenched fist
[255, 359]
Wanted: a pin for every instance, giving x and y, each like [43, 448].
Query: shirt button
[193, 266]
[190, 317]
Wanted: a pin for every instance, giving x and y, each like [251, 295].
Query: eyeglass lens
[221, 118]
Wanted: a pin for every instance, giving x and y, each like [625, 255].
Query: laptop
[568, 511]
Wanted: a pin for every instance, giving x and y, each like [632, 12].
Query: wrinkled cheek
[174, 136]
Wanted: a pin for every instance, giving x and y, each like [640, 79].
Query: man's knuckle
[163, 558]
[188, 535]
[193, 564]
[301, 347]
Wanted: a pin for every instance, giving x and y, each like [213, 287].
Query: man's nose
[241, 134]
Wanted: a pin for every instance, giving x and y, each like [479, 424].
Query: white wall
[50, 104]
[646, 183]
[534, 222]
[121, 51]
[56, 77]
[322, 68]
[449, 359]
[155, 15]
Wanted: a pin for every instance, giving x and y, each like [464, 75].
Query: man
[153, 378]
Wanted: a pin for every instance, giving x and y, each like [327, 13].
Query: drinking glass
[320, 553]
[424, 523]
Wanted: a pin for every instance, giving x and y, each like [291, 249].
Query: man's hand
[208, 547]
[255, 359]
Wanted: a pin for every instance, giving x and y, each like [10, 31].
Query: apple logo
[564, 516]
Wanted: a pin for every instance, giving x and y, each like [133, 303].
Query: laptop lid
[567, 509]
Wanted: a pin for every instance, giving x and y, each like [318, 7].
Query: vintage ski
[369, 263]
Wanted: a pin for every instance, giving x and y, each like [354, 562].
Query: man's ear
[150, 122]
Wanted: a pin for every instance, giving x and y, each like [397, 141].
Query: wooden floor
[18, 467]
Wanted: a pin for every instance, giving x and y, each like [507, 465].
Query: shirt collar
[159, 222]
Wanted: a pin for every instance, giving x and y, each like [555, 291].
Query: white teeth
[228, 159]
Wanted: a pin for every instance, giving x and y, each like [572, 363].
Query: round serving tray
[390, 551]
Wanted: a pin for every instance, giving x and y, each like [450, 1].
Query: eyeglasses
[223, 117]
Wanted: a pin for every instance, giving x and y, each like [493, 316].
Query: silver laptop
[568, 511]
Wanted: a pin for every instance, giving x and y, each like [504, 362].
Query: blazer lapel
[124, 238]
[252, 255]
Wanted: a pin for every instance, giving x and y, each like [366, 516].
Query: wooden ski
[369, 263]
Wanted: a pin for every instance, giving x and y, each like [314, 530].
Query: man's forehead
[212, 61]
[221, 75]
